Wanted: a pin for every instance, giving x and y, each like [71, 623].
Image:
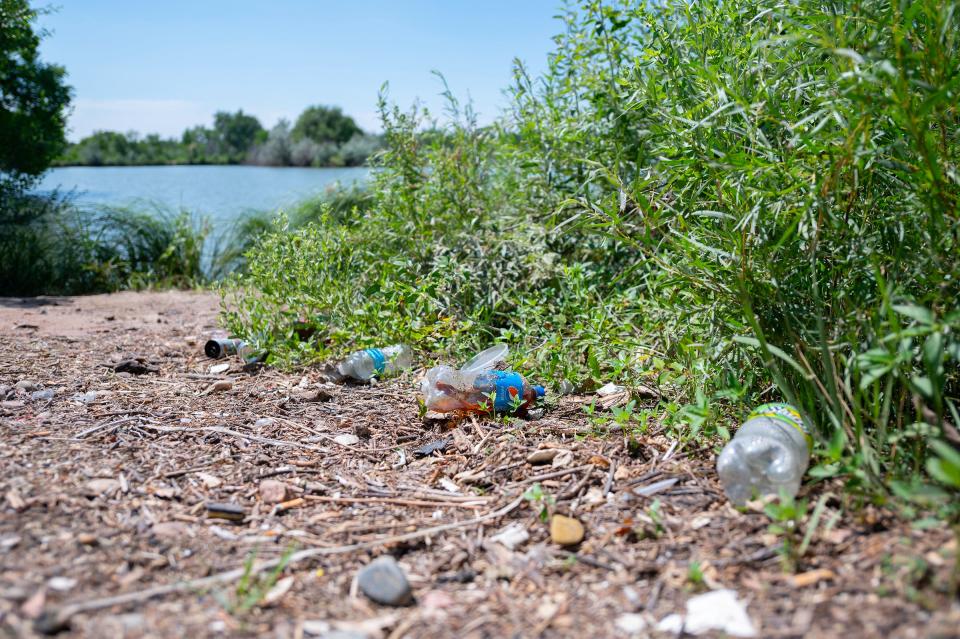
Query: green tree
[236, 133]
[33, 97]
[324, 124]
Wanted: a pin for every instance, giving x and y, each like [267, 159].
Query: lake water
[221, 193]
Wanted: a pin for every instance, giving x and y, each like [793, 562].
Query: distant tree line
[321, 136]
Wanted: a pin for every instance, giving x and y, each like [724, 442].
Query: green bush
[735, 201]
[794, 167]
[50, 246]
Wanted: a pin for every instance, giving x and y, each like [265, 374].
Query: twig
[69, 610]
[555, 474]
[283, 443]
[393, 500]
[607, 485]
[103, 425]
[576, 488]
[181, 472]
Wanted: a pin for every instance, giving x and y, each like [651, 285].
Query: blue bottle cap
[541, 391]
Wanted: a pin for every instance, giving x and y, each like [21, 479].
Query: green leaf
[823, 471]
[933, 352]
[780, 353]
[949, 456]
[943, 472]
[922, 385]
[918, 313]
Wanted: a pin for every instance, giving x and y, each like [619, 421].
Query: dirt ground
[105, 528]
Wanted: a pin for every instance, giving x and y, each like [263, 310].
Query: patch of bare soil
[108, 481]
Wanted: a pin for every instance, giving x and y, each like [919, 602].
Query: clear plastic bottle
[768, 454]
[379, 362]
[446, 390]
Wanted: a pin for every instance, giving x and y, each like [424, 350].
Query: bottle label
[509, 387]
[786, 414]
[379, 360]
[506, 386]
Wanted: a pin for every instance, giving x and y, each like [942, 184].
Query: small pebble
[383, 581]
[542, 456]
[431, 448]
[219, 386]
[318, 395]
[566, 531]
[273, 491]
[97, 487]
[171, 530]
[61, 584]
[87, 539]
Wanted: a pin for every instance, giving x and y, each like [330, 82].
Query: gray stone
[25, 386]
[383, 581]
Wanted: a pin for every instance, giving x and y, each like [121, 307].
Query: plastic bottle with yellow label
[768, 455]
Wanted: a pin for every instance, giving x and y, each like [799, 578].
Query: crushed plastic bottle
[477, 388]
[768, 455]
[379, 362]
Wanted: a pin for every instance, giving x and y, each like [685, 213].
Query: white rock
[450, 485]
[210, 481]
[715, 610]
[609, 389]
[563, 459]
[347, 439]
[279, 589]
[511, 536]
[216, 369]
[718, 610]
[672, 624]
[631, 623]
[61, 584]
[315, 627]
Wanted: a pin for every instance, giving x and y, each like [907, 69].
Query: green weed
[251, 588]
[539, 500]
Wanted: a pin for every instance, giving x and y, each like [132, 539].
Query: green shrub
[794, 166]
[731, 200]
[51, 246]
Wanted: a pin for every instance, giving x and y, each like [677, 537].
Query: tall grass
[49, 245]
[733, 201]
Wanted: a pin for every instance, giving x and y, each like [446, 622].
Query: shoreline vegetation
[58, 247]
[320, 137]
[716, 204]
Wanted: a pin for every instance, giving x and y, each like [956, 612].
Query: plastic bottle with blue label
[376, 362]
[768, 455]
[478, 388]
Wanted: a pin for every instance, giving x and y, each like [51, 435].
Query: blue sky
[167, 65]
